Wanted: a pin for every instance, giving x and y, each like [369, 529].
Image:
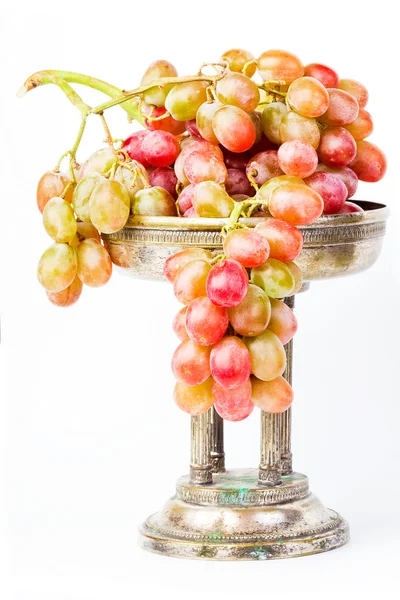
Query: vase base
[234, 518]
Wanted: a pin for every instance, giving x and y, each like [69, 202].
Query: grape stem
[239, 210]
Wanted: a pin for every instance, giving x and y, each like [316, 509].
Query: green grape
[271, 119]
[267, 355]
[109, 206]
[204, 119]
[57, 267]
[185, 99]
[100, 161]
[133, 177]
[59, 220]
[268, 187]
[297, 276]
[157, 70]
[274, 277]
[237, 58]
[154, 202]
[295, 127]
[82, 194]
[211, 200]
[238, 90]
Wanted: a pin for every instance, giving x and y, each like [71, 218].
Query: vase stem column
[200, 462]
[286, 417]
[217, 442]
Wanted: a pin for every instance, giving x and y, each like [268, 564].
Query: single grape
[230, 362]
[297, 276]
[237, 59]
[255, 116]
[204, 119]
[52, 185]
[343, 108]
[278, 65]
[237, 183]
[297, 127]
[273, 396]
[238, 90]
[191, 213]
[84, 231]
[233, 405]
[57, 267]
[185, 198]
[252, 315]
[109, 206]
[285, 241]
[179, 324]
[350, 207]
[308, 97]
[194, 146]
[202, 165]
[94, 263]
[191, 127]
[133, 177]
[211, 200]
[100, 161]
[327, 76]
[247, 247]
[236, 160]
[158, 70]
[154, 202]
[234, 128]
[59, 220]
[271, 120]
[337, 147]
[295, 203]
[369, 163]
[82, 194]
[206, 323]
[348, 177]
[283, 321]
[267, 355]
[356, 89]
[267, 188]
[165, 178]
[362, 127]
[184, 99]
[133, 146]
[178, 260]
[168, 123]
[264, 166]
[160, 148]
[274, 277]
[331, 189]
[297, 158]
[190, 281]
[191, 363]
[194, 399]
[227, 283]
[67, 297]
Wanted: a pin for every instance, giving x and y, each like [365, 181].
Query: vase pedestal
[235, 518]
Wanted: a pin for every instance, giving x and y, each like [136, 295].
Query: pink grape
[191, 213]
[86, 231]
[177, 261]
[233, 405]
[297, 158]
[204, 119]
[194, 399]
[165, 124]
[154, 201]
[308, 97]
[369, 163]
[195, 146]
[206, 323]
[267, 355]
[234, 128]
[237, 183]
[264, 166]
[133, 146]
[52, 185]
[285, 241]
[57, 267]
[160, 148]
[185, 198]
[327, 76]
[191, 363]
[165, 178]
[362, 127]
[283, 321]
[230, 363]
[274, 277]
[238, 90]
[343, 108]
[356, 89]
[179, 324]
[191, 127]
[271, 120]
[273, 396]
[237, 59]
[67, 297]
[190, 281]
[279, 65]
[203, 166]
[227, 283]
[247, 247]
[211, 200]
[252, 315]
[296, 203]
[267, 188]
[296, 127]
[346, 175]
[94, 263]
[337, 147]
[331, 189]
[350, 207]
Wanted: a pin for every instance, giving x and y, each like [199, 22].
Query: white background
[93, 442]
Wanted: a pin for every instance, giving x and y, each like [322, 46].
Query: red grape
[233, 405]
[273, 396]
[296, 204]
[356, 89]
[337, 147]
[328, 77]
[179, 324]
[308, 97]
[247, 247]
[331, 189]
[195, 146]
[165, 178]
[234, 128]
[350, 207]
[166, 124]
[267, 355]
[177, 261]
[252, 315]
[348, 177]
[236, 160]
[192, 129]
[191, 213]
[362, 127]
[68, 296]
[343, 108]
[237, 183]
[369, 163]
[191, 363]
[185, 198]
[264, 166]
[230, 363]
[279, 65]
[52, 185]
[202, 165]
[285, 240]
[190, 281]
[283, 321]
[227, 283]
[160, 148]
[297, 158]
[133, 146]
[194, 399]
[206, 323]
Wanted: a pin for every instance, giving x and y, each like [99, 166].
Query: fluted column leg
[270, 462]
[286, 417]
[217, 442]
[200, 462]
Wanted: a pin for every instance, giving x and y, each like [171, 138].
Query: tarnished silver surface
[217, 442]
[200, 448]
[286, 417]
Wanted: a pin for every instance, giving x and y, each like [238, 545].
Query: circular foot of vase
[234, 518]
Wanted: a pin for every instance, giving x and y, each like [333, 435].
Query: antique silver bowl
[252, 514]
